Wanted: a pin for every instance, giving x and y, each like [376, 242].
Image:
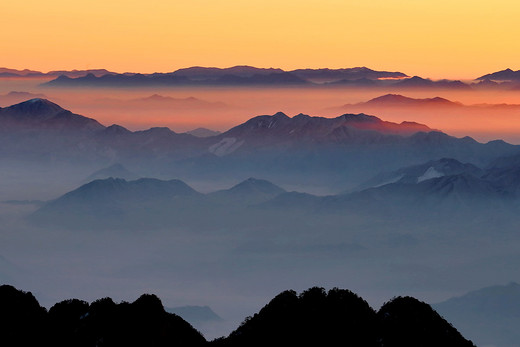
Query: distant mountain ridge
[203, 132]
[418, 173]
[15, 97]
[238, 75]
[244, 75]
[399, 101]
[40, 114]
[147, 201]
[504, 75]
[443, 185]
[280, 126]
[205, 73]
[212, 75]
[115, 171]
[276, 147]
[251, 76]
[419, 82]
[5, 72]
[444, 180]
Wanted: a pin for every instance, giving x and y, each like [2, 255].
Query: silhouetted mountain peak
[157, 131]
[250, 191]
[280, 115]
[115, 129]
[301, 116]
[503, 75]
[37, 107]
[203, 132]
[42, 114]
[389, 98]
[266, 122]
[150, 304]
[198, 72]
[419, 82]
[359, 118]
[103, 191]
[400, 100]
[251, 185]
[404, 325]
[156, 97]
[116, 170]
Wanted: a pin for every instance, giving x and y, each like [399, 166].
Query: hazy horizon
[229, 221]
[110, 106]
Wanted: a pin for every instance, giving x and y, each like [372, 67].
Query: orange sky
[437, 39]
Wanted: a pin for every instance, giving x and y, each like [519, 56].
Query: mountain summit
[504, 75]
[280, 127]
[43, 114]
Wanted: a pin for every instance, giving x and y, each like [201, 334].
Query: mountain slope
[115, 202]
[340, 317]
[408, 322]
[250, 191]
[503, 75]
[281, 128]
[489, 316]
[203, 132]
[350, 74]
[419, 83]
[422, 172]
[297, 151]
[209, 73]
[42, 114]
[395, 100]
[116, 171]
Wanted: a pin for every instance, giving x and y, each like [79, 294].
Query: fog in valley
[271, 203]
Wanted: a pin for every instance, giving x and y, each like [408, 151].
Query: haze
[378, 205]
[222, 108]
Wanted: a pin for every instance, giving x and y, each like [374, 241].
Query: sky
[438, 39]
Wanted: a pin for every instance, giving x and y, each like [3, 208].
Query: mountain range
[237, 75]
[26, 73]
[250, 76]
[314, 316]
[243, 75]
[42, 115]
[402, 102]
[504, 75]
[296, 150]
[441, 185]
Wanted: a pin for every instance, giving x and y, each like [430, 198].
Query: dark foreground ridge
[315, 317]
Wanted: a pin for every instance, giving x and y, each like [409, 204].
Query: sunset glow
[437, 39]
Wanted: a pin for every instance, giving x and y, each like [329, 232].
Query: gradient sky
[437, 39]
